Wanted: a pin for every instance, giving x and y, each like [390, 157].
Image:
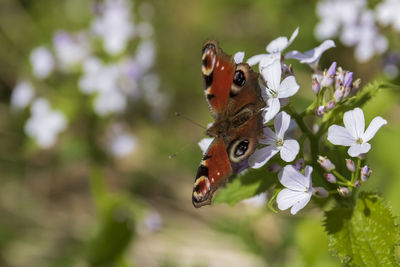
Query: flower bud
[357, 184]
[347, 80]
[365, 173]
[344, 191]
[326, 163]
[338, 94]
[320, 192]
[320, 111]
[274, 168]
[299, 164]
[339, 77]
[331, 104]
[315, 85]
[330, 177]
[356, 84]
[350, 165]
[328, 76]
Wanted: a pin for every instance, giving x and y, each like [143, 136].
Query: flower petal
[288, 198]
[271, 72]
[255, 59]
[357, 149]
[277, 45]
[354, 122]
[204, 144]
[293, 36]
[289, 150]
[373, 127]
[273, 108]
[281, 123]
[269, 137]
[262, 156]
[288, 87]
[311, 56]
[238, 57]
[300, 204]
[339, 135]
[293, 179]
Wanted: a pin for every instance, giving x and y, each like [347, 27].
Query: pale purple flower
[320, 111]
[298, 189]
[274, 48]
[312, 56]
[316, 86]
[22, 95]
[44, 124]
[354, 134]
[331, 104]
[275, 90]
[42, 62]
[320, 192]
[145, 55]
[328, 76]
[275, 142]
[108, 102]
[357, 183]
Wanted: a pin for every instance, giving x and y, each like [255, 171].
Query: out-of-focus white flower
[144, 30]
[153, 221]
[114, 25]
[298, 189]
[354, 24]
[257, 201]
[145, 55]
[276, 142]
[122, 143]
[205, 143]
[354, 134]
[274, 48]
[275, 89]
[108, 102]
[42, 62]
[70, 49]
[44, 123]
[312, 56]
[22, 95]
[387, 13]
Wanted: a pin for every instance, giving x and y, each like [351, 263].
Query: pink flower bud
[365, 173]
[344, 191]
[350, 165]
[326, 163]
[330, 177]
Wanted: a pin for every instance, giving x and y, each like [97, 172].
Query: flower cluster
[113, 74]
[334, 88]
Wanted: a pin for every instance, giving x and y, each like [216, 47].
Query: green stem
[341, 177]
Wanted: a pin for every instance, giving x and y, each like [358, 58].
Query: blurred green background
[74, 204]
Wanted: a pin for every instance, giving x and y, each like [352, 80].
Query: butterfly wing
[213, 171]
[218, 70]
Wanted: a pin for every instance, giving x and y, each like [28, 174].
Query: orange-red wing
[218, 70]
[213, 171]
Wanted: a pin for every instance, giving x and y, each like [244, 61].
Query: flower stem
[341, 177]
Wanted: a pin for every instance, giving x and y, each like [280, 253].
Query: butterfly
[235, 102]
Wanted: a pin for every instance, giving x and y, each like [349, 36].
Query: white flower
[312, 56]
[22, 95]
[205, 143]
[275, 89]
[387, 13]
[122, 143]
[145, 55]
[298, 189]
[70, 49]
[108, 102]
[276, 142]
[114, 26]
[274, 48]
[353, 134]
[257, 200]
[44, 123]
[42, 62]
[238, 57]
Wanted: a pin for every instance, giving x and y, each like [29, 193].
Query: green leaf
[252, 183]
[365, 234]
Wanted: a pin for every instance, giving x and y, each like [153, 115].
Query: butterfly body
[235, 102]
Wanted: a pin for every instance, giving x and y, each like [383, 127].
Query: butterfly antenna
[182, 149]
[190, 120]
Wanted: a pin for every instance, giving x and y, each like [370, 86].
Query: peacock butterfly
[234, 98]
